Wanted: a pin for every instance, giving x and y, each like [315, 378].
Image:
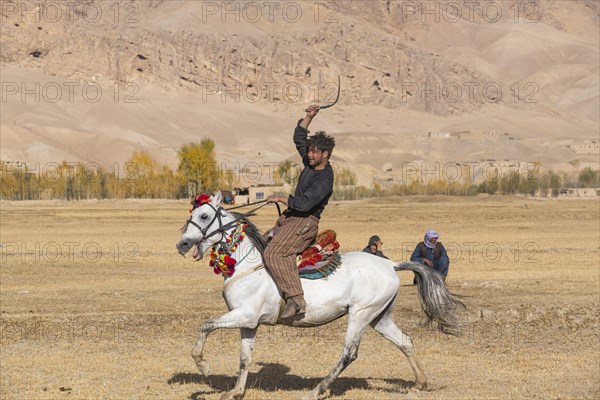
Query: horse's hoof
[310, 396]
[204, 367]
[420, 386]
[232, 396]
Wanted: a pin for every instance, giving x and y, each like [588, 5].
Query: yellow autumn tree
[345, 177]
[288, 172]
[140, 172]
[198, 165]
[9, 182]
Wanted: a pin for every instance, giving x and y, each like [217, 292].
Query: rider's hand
[273, 198]
[312, 110]
[428, 262]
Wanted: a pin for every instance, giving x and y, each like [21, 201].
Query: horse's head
[204, 228]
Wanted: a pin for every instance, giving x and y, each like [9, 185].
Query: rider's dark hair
[322, 142]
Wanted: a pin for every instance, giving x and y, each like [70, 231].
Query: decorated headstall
[221, 261]
[198, 201]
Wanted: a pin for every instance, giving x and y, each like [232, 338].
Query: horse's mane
[253, 233]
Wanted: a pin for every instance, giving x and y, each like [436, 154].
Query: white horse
[364, 287]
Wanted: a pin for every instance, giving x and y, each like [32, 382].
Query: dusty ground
[95, 303]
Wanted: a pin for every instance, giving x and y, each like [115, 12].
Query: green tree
[510, 183]
[555, 183]
[489, 186]
[550, 183]
[588, 178]
[103, 192]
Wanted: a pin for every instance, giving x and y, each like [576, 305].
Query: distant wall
[258, 193]
[591, 148]
[579, 192]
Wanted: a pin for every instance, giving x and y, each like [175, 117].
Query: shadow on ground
[273, 377]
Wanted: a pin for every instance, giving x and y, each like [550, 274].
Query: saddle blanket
[321, 258]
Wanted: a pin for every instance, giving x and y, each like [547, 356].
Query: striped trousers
[292, 235]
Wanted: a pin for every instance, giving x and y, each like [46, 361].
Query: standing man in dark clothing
[374, 246]
[298, 226]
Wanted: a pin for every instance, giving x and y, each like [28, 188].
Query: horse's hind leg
[357, 323]
[386, 326]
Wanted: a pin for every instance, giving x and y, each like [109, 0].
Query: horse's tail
[436, 300]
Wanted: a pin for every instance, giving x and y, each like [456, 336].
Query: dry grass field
[96, 304]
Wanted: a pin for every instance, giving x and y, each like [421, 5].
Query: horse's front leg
[247, 347]
[233, 319]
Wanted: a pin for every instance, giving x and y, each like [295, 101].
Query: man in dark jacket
[298, 226]
[432, 253]
[374, 247]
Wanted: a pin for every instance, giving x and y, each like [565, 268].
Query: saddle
[321, 258]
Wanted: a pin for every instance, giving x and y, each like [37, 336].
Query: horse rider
[298, 226]
[432, 253]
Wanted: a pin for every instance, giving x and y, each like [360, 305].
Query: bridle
[217, 217]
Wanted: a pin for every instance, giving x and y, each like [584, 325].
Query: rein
[251, 204]
[246, 205]
[241, 275]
